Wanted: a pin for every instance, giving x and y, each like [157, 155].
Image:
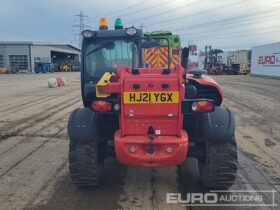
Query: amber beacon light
[103, 24]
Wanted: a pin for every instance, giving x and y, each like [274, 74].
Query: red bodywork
[168, 144]
[206, 80]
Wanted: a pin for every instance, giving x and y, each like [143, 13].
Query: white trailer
[266, 60]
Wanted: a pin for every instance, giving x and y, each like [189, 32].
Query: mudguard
[206, 80]
[219, 126]
[206, 88]
[82, 125]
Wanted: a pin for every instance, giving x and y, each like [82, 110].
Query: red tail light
[203, 106]
[101, 106]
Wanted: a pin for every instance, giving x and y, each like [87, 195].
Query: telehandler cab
[150, 117]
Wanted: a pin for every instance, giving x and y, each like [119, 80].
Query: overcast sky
[225, 24]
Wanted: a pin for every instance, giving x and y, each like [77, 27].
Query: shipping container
[266, 60]
[240, 61]
[239, 56]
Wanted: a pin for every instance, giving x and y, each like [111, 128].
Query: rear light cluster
[101, 106]
[203, 106]
[104, 106]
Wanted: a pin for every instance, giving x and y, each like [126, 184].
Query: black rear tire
[85, 164]
[219, 167]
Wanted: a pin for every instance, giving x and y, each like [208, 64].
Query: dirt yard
[34, 147]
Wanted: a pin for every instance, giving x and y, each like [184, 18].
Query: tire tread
[221, 168]
[85, 171]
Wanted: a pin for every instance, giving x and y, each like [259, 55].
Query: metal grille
[18, 62]
[1, 60]
[208, 92]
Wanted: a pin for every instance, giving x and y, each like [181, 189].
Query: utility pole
[206, 57]
[81, 26]
[142, 26]
[210, 54]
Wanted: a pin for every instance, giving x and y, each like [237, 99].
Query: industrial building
[266, 60]
[21, 56]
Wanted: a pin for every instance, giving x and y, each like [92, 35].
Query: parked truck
[239, 61]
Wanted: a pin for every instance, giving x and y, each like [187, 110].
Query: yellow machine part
[158, 57]
[64, 68]
[100, 86]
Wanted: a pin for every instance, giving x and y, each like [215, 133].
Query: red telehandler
[149, 117]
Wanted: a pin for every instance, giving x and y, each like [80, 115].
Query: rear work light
[101, 106]
[203, 106]
[87, 34]
[131, 31]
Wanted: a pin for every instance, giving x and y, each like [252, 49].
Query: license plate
[151, 97]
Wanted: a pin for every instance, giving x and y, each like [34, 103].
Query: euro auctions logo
[269, 59]
[262, 198]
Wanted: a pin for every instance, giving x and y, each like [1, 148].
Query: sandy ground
[34, 148]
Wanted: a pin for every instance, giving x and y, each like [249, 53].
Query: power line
[223, 20]
[169, 10]
[150, 7]
[141, 10]
[117, 11]
[246, 32]
[230, 36]
[200, 13]
[231, 25]
[235, 47]
[111, 14]
[81, 26]
[236, 36]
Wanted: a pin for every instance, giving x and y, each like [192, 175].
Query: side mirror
[149, 44]
[185, 57]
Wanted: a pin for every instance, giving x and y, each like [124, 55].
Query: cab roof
[115, 33]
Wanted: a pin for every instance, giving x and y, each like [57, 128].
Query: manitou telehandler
[144, 116]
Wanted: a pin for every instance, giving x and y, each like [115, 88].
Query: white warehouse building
[20, 55]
